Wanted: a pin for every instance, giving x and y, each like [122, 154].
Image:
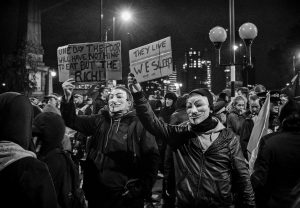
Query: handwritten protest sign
[90, 62]
[152, 61]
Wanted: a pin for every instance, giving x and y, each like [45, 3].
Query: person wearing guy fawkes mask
[207, 157]
[122, 157]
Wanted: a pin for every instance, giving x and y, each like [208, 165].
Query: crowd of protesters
[121, 143]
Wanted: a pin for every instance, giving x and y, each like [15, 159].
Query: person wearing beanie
[49, 129]
[122, 157]
[208, 160]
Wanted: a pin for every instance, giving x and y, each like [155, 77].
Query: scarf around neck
[206, 125]
[11, 152]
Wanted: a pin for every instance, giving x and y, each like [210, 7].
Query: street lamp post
[101, 19]
[218, 35]
[248, 33]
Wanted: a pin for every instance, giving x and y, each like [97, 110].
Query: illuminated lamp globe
[217, 36]
[248, 31]
[126, 15]
[53, 73]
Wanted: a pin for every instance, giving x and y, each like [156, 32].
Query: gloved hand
[68, 87]
[133, 85]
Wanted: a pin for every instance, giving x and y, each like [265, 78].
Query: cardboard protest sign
[152, 61]
[90, 62]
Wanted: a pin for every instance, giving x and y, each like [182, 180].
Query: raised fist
[68, 87]
[133, 85]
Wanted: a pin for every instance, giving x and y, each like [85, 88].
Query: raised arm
[83, 124]
[174, 135]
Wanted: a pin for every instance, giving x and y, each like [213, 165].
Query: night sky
[187, 22]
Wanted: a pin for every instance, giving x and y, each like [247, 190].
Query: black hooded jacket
[25, 181]
[119, 150]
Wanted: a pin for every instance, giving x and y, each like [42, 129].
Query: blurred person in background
[101, 100]
[244, 91]
[165, 115]
[259, 88]
[78, 101]
[169, 106]
[36, 106]
[220, 107]
[53, 103]
[236, 117]
[247, 126]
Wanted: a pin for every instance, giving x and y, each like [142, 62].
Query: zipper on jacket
[102, 153]
[201, 170]
[107, 134]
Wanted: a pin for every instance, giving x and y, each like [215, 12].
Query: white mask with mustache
[197, 109]
[118, 102]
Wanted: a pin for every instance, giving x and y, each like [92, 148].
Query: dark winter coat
[27, 183]
[235, 122]
[277, 169]
[203, 179]
[245, 134]
[24, 180]
[120, 150]
[50, 129]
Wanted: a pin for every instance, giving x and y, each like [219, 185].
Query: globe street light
[218, 36]
[248, 33]
[232, 42]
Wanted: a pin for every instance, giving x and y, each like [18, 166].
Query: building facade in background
[196, 72]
